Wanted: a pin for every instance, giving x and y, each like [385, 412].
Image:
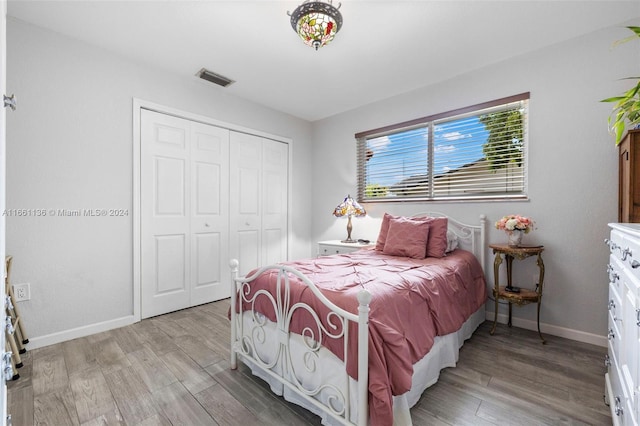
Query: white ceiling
[384, 48]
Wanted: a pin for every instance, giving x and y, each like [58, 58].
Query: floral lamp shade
[349, 207]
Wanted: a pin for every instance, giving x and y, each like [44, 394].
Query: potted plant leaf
[626, 108]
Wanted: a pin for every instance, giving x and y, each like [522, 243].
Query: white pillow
[452, 241]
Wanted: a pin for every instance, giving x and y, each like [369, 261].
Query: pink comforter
[413, 301]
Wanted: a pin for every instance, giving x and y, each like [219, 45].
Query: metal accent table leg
[496, 289]
[540, 264]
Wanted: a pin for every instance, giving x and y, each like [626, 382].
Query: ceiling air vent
[214, 78]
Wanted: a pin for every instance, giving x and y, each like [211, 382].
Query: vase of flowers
[515, 226]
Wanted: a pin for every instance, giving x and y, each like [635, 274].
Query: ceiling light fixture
[316, 22]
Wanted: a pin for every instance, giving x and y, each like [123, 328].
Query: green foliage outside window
[504, 143]
[376, 190]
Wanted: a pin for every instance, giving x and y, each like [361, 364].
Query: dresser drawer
[614, 336]
[614, 271]
[626, 250]
[615, 302]
[617, 398]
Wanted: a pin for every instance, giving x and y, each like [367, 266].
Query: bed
[356, 338]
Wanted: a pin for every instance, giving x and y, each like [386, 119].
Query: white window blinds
[478, 152]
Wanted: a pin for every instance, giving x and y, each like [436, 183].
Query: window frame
[430, 122]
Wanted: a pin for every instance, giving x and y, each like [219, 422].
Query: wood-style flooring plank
[92, 395]
[55, 408]
[271, 410]
[169, 326]
[190, 374]
[198, 350]
[155, 338]
[79, 354]
[218, 340]
[127, 339]
[180, 407]
[448, 404]
[157, 420]
[558, 402]
[49, 373]
[111, 418]
[21, 403]
[224, 408]
[152, 371]
[133, 398]
[109, 354]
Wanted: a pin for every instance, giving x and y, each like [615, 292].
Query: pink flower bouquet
[514, 222]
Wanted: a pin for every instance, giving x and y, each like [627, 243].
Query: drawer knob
[618, 407]
[626, 253]
[612, 246]
[612, 305]
[635, 264]
[613, 276]
[607, 361]
[611, 335]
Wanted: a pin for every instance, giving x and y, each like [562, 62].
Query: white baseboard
[554, 330]
[74, 333]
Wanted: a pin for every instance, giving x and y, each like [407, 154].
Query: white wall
[70, 146]
[573, 169]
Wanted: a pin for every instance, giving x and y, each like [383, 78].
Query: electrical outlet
[22, 292]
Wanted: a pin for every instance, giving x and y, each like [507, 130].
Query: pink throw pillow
[407, 238]
[384, 229]
[437, 242]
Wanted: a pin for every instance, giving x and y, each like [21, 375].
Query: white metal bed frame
[280, 365]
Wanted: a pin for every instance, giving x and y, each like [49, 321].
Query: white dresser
[622, 392]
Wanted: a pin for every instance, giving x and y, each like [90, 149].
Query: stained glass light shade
[316, 22]
[349, 207]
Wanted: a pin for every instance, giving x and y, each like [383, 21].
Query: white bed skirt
[426, 371]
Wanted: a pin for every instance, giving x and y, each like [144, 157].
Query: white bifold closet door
[259, 200]
[184, 213]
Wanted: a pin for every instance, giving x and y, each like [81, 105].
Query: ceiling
[383, 49]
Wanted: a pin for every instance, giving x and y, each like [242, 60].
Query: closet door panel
[245, 200]
[209, 213]
[170, 252]
[184, 213]
[248, 250]
[275, 200]
[165, 227]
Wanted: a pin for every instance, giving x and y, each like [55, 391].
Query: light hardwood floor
[173, 370]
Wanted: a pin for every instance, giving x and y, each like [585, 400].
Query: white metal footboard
[280, 363]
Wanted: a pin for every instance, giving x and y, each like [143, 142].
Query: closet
[207, 194]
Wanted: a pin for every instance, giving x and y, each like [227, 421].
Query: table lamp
[349, 207]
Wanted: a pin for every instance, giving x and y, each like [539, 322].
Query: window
[478, 152]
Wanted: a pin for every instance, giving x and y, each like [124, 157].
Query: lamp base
[349, 240]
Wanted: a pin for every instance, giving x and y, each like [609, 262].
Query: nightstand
[326, 248]
[519, 296]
